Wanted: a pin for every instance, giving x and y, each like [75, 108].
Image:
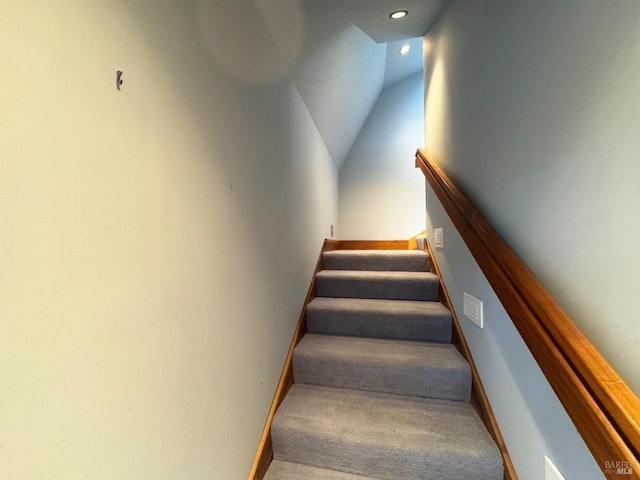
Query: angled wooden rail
[603, 408]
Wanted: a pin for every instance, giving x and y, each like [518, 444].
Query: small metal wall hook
[119, 79]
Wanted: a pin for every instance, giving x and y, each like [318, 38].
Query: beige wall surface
[532, 108]
[156, 242]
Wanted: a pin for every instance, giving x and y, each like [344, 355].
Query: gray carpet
[279, 470]
[379, 392]
[380, 260]
[431, 370]
[399, 319]
[384, 436]
[374, 284]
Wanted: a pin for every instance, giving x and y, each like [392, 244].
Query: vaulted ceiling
[343, 53]
[351, 53]
[372, 17]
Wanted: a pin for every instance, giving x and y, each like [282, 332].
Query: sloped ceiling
[340, 75]
[372, 17]
[344, 61]
[398, 67]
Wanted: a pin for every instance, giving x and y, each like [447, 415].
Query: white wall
[381, 192]
[531, 418]
[532, 109]
[155, 243]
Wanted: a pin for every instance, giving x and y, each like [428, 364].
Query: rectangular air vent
[473, 309]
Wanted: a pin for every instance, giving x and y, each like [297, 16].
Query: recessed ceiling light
[404, 49]
[398, 14]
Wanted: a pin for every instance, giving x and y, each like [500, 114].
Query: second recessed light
[404, 49]
[398, 14]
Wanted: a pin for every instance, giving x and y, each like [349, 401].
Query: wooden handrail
[602, 406]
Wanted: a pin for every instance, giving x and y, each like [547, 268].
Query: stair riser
[279, 470]
[392, 463]
[412, 380]
[433, 328]
[425, 289]
[411, 261]
[383, 436]
[417, 329]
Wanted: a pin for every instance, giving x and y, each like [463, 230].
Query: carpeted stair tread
[396, 260]
[279, 470]
[399, 319]
[401, 367]
[383, 285]
[383, 436]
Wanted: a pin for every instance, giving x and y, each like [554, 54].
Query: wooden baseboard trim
[264, 454]
[366, 244]
[479, 398]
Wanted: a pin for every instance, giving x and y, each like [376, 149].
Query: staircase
[379, 391]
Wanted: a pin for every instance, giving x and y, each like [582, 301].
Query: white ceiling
[398, 67]
[372, 17]
[344, 61]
